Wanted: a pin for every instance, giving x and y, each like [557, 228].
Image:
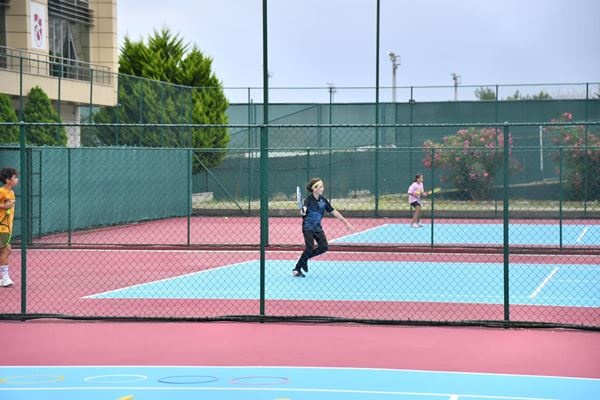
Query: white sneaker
[420, 226]
[6, 282]
[414, 225]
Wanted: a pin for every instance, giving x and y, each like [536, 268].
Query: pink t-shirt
[412, 192]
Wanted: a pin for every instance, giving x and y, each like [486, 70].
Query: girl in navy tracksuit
[313, 209]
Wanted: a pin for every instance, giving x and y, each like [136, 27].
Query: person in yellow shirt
[10, 178]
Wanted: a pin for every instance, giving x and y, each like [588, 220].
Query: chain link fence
[154, 228]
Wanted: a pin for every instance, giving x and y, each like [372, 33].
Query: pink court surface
[51, 342]
[38, 350]
[223, 230]
[548, 352]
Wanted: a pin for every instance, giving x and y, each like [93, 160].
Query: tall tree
[179, 88]
[515, 96]
[39, 109]
[485, 94]
[8, 133]
[540, 96]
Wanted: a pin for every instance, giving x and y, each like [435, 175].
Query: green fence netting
[165, 231]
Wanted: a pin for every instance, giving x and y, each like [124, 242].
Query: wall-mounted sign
[39, 25]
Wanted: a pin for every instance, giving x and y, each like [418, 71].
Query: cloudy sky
[313, 42]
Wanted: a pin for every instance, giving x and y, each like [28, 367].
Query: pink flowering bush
[469, 160]
[581, 157]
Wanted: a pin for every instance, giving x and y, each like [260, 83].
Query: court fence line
[115, 216]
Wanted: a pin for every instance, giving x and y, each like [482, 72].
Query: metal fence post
[24, 213]
[432, 194]
[560, 197]
[505, 218]
[264, 163]
[69, 199]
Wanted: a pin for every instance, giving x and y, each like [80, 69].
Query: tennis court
[366, 282]
[460, 233]
[448, 282]
[551, 280]
[279, 383]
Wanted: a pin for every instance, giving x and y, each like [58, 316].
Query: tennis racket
[5, 222]
[299, 197]
[435, 190]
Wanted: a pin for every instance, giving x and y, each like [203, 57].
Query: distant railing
[49, 65]
[488, 92]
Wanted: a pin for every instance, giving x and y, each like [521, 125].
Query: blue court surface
[479, 234]
[279, 383]
[426, 281]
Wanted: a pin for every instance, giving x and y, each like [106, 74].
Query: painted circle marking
[31, 379]
[256, 380]
[116, 378]
[188, 379]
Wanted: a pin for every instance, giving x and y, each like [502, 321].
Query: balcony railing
[49, 65]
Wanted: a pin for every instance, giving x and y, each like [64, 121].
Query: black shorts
[415, 204]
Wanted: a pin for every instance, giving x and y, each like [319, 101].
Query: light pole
[456, 79]
[395, 59]
[332, 91]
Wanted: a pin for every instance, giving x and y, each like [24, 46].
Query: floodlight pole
[332, 91]
[456, 79]
[395, 59]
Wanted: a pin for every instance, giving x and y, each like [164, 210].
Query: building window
[3, 6]
[69, 29]
[69, 40]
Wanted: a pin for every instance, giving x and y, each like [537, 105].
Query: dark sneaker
[297, 273]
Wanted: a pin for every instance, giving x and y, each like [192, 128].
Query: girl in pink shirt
[415, 191]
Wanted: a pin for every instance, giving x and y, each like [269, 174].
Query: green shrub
[39, 109]
[469, 160]
[580, 158]
[8, 133]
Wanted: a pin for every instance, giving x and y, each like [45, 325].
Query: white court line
[582, 234]
[263, 389]
[543, 283]
[288, 367]
[359, 233]
[96, 295]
